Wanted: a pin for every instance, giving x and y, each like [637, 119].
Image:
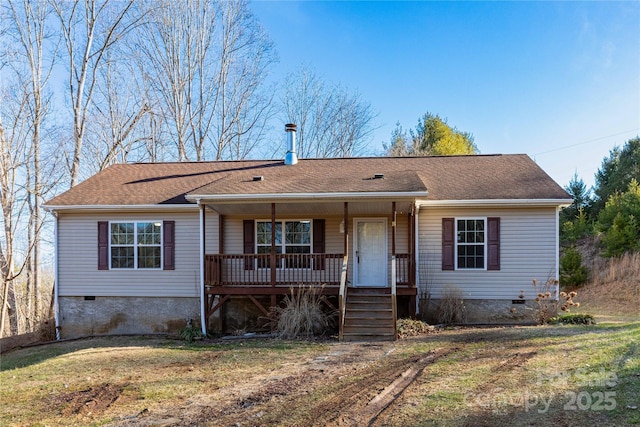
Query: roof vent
[258, 178]
[291, 158]
[378, 176]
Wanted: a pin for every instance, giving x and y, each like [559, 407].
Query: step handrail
[342, 296]
[393, 297]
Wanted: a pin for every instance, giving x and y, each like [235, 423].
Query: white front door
[370, 246]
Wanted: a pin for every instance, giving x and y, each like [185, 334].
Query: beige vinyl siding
[211, 240]
[527, 250]
[334, 240]
[78, 257]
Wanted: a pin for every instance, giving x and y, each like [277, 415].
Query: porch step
[369, 290]
[368, 316]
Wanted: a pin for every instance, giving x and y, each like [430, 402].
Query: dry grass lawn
[551, 375]
[522, 376]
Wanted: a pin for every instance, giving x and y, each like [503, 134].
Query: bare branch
[207, 61]
[332, 121]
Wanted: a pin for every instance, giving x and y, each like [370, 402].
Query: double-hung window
[263, 241]
[470, 243]
[135, 245]
[291, 237]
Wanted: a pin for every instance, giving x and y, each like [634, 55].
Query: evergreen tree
[616, 173]
[432, 136]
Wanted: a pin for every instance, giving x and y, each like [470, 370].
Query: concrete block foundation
[488, 311]
[84, 316]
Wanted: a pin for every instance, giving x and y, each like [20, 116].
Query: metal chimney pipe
[291, 158]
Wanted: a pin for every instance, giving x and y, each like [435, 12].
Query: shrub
[568, 301]
[577, 228]
[546, 302]
[424, 303]
[301, 314]
[451, 308]
[190, 333]
[573, 319]
[572, 272]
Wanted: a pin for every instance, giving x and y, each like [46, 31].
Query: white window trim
[282, 222]
[135, 244]
[455, 238]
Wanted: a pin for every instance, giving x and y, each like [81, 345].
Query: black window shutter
[249, 243]
[448, 243]
[318, 243]
[493, 244]
[169, 245]
[103, 245]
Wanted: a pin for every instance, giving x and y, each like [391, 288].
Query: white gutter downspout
[417, 255]
[56, 276]
[203, 320]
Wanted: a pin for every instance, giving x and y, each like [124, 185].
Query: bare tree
[206, 62]
[33, 59]
[89, 29]
[332, 121]
[245, 56]
[115, 130]
[13, 145]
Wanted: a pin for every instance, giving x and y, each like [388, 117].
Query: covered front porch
[264, 250]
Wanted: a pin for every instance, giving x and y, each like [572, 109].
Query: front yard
[550, 375]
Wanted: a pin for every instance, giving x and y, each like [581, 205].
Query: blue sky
[523, 77]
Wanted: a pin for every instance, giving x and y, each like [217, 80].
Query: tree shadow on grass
[23, 357]
[502, 334]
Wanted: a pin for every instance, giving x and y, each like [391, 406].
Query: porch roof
[479, 177]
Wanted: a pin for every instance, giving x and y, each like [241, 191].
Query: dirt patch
[515, 361]
[278, 387]
[334, 388]
[93, 400]
[460, 376]
[383, 401]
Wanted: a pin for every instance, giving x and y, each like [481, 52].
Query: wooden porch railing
[404, 275]
[291, 269]
[254, 269]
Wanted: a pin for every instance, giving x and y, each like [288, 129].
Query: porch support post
[221, 299]
[273, 245]
[416, 257]
[346, 227]
[220, 234]
[393, 228]
[412, 261]
[273, 252]
[412, 264]
[203, 295]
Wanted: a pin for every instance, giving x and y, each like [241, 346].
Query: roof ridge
[468, 177]
[198, 162]
[195, 162]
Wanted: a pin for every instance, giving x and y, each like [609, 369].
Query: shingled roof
[479, 177]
